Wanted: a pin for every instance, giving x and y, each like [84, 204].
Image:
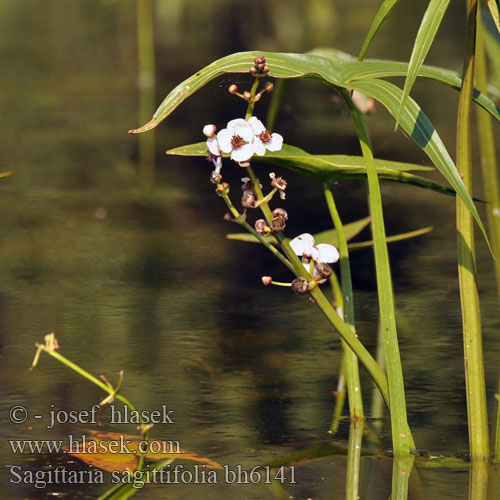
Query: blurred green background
[143, 279]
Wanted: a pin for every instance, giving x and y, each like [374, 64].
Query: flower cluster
[242, 139]
[320, 254]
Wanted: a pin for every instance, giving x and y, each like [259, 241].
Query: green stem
[377, 409]
[471, 316]
[239, 219]
[491, 181]
[354, 460]
[105, 388]
[401, 437]
[352, 369]
[251, 102]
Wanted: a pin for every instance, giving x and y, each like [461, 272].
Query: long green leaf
[425, 36]
[415, 122]
[328, 168]
[412, 118]
[382, 13]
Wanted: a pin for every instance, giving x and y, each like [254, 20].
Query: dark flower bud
[269, 87]
[300, 285]
[261, 227]
[233, 88]
[248, 200]
[324, 269]
[253, 70]
[280, 212]
[259, 60]
[277, 224]
[266, 280]
[227, 217]
[265, 69]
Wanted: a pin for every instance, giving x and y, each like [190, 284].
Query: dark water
[146, 281]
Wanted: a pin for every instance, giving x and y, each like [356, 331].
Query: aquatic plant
[246, 140]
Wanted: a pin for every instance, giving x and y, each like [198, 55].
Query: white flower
[264, 139]
[304, 247]
[238, 139]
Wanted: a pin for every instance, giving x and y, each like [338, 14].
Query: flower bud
[253, 70]
[227, 217]
[248, 200]
[324, 269]
[300, 285]
[209, 130]
[247, 95]
[269, 87]
[215, 179]
[233, 88]
[280, 212]
[265, 69]
[259, 60]
[261, 227]
[222, 189]
[266, 280]
[277, 224]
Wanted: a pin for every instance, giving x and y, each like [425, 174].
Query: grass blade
[383, 12]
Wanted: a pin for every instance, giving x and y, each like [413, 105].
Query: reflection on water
[148, 284]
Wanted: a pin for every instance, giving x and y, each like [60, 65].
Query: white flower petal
[302, 243]
[276, 142]
[327, 253]
[314, 254]
[257, 125]
[243, 153]
[213, 146]
[244, 130]
[224, 138]
[260, 149]
[237, 121]
[218, 165]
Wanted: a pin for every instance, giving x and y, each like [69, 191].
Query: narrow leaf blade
[425, 36]
[381, 15]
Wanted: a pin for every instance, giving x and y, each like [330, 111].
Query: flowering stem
[239, 219]
[402, 440]
[322, 302]
[251, 102]
[352, 369]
